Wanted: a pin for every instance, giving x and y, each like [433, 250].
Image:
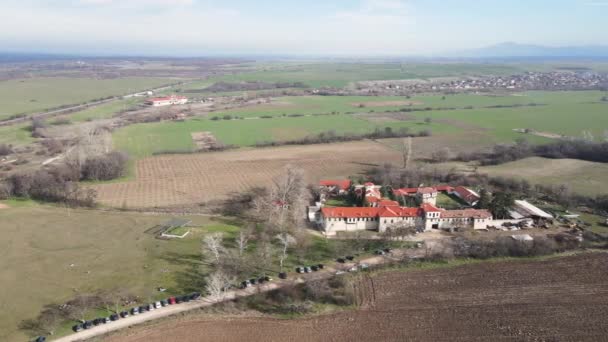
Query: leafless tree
[406, 151]
[441, 155]
[285, 240]
[212, 244]
[242, 241]
[217, 282]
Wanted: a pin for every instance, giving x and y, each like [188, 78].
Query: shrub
[5, 149]
[109, 166]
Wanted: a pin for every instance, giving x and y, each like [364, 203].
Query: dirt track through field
[175, 180]
[559, 299]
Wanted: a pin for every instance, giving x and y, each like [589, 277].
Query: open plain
[556, 299]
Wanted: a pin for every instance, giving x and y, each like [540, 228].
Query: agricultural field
[342, 74]
[51, 254]
[475, 115]
[37, 94]
[104, 111]
[503, 300]
[142, 140]
[205, 177]
[582, 177]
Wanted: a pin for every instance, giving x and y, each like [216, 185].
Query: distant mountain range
[510, 49]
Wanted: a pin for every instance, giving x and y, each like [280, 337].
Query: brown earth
[558, 299]
[3, 206]
[174, 180]
[204, 140]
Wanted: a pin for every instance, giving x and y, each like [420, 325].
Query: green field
[104, 111]
[491, 125]
[36, 94]
[108, 251]
[583, 177]
[341, 74]
[15, 135]
[143, 140]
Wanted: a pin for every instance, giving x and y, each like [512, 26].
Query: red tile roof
[427, 207]
[400, 212]
[409, 191]
[343, 184]
[388, 203]
[466, 194]
[427, 190]
[166, 98]
[345, 212]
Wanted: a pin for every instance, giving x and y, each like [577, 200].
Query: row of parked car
[308, 269]
[136, 311]
[255, 281]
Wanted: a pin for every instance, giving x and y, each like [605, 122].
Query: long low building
[426, 217]
[167, 101]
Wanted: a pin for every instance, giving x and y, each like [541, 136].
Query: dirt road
[208, 301]
[556, 299]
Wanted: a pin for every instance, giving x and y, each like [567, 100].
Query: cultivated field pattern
[197, 178]
[560, 299]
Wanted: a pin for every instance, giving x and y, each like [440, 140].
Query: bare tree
[406, 151]
[286, 240]
[217, 282]
[212, 244]
[242, 241]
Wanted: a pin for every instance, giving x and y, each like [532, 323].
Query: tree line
[331, 137]
[60, 183]
[573, 149]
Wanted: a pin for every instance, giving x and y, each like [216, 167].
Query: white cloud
[136, 2]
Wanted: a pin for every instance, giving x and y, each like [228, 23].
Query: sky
[295, 27]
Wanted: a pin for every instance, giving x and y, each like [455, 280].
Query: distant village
[377, 213]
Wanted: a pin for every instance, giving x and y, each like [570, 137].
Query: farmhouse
[167, 101]
[426, 217]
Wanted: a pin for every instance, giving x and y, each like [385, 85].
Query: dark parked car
[77, 328]
[143, 308]
[114, 317]
[245, 284]
[194, 295]
[282, 275]
[124, 314]
[185, 299]
[350, 258]
[261, 280]
[135, 311]
[387, 250]
[98, 321]
[40, 339]
[164, 302]
[320, 266]
[341, 260]
[87, 325]
[315, 268]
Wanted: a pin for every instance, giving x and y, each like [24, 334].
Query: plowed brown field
[163, 181]
[559, 299]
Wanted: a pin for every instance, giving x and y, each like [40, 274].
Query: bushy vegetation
[573, 149]
[105, 167]
[60, 183]
[5, 149]
[331, 137]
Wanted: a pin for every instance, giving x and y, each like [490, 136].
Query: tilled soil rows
[164, 181]
[558, 299]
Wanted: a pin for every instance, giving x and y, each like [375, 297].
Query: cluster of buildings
[379, 214]
[167, 101]
[558, 80]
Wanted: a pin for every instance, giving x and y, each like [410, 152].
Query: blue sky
[304, 27]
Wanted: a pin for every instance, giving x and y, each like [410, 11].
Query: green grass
[447, 202]
[15, 134]
[41, 242]
[143, 140]
[342, 74]
[36, 94]
[582, 177]
[104, 111]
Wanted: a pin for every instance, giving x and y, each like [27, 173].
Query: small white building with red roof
[167, 101]
[466, 194]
